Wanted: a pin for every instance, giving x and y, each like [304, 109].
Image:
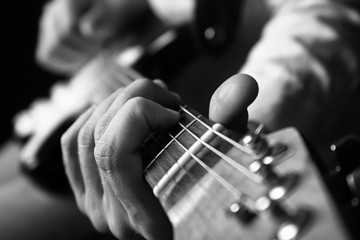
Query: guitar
[41, 126]
[214, 183]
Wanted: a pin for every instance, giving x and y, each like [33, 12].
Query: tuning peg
[241, 212]
[291, 224]
[279, 186]
[256, 143]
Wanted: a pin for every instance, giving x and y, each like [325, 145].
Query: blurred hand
[72, 31]
[103, 162]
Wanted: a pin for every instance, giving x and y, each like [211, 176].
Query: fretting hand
[103, 162]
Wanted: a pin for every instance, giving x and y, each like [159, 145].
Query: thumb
[229, 102]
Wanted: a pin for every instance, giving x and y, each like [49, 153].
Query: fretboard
[182, 152]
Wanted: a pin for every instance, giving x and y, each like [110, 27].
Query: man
[306, 66]
[306, 61]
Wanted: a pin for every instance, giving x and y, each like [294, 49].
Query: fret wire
[132, 75]
[228, 159]
[222, 181]
[188, 198]
[177, 135]
[176, 162]
[236, 193]
[180, 166]
[146, 171]
[164, 148]
[226, 138]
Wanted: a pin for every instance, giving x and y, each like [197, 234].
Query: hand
[72, 31]
[103, 163]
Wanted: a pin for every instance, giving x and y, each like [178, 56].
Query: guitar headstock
[297, 198]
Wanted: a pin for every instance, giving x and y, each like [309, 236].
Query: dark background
[22, 79]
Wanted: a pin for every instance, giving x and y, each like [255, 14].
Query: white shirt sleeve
[173, 12]
[307, 67]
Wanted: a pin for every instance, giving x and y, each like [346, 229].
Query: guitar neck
[167, 154]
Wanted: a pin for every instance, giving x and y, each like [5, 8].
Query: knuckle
[104, 156]
[101, 126]
[137, 104]
[144, 83]
[85, 136]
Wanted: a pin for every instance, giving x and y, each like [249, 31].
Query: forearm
[307, 66]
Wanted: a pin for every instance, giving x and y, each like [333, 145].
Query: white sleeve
[307, 67]
[173, 12]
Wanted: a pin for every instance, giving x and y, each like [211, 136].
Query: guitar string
[132, 75]
[235, 144]
[209, 170]
[189, 199]
[239, 196]
[219, 179]
[226, 138]
[228, 186]
[238, 166]
[164, 148]
[174, 138]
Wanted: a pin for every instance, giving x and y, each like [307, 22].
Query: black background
[21, 78]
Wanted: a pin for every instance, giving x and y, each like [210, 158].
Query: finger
[86, 145]
[119, 160]
[229, 102]
[70, 156]
[139, 88]
[165, 86]
[90, 198]
[161, 83]
[116, 216]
